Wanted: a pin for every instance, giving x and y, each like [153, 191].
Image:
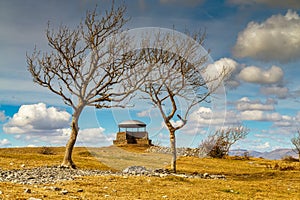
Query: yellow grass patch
[246, 179]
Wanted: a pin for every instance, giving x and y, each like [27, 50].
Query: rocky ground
[195, 152]
[52, 174]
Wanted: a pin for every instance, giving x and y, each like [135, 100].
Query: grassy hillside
[245, 179]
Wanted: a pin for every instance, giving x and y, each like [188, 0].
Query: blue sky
[258, 39]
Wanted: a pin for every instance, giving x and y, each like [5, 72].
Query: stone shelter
[132, 132]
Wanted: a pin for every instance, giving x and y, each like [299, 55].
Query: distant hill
[271, 155]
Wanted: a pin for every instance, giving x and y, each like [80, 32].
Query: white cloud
[4, 142]
[176, 123]
[252, 115]
[216, 68]
[2, 116]
[259, 115]
[271, 3]
[291, 122]
[205, 117]
[285, 123]
[95, 137]
[263, 146]
[86, 137]
[37, 118]
[279, 92]
[254, 74]
[245, 104]
[144, 113]
[277, 38]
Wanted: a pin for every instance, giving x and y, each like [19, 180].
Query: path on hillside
[119, 159]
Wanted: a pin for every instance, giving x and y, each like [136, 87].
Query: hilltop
[246, 178]
[276, 154]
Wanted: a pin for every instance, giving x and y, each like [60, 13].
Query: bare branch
[219, 143]
[85, 65]
[296, 142]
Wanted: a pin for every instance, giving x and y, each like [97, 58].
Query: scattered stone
[55, 188]
[47, 174]
[206, 175]
[182, 151]
[80, 190]
[106, 196]
[162, 175]
[74, 197]
[27, 190]
[23, 165]
[165, 196]
[53, 174]
[64, 192]
[32, 198]
[1, 192]
[217, 176]
[181, 175]
[136, 170]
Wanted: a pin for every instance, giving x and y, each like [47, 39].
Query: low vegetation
[251, 178]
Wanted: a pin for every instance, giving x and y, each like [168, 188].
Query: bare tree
[85, 65]
[175, 77]
[218, 144]
[296, 142]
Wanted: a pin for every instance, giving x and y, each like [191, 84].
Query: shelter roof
[132, 124]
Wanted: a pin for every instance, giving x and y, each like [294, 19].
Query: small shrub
[246, 155]
[46, 151]
[217, 145]
[276, 166]
[230, 191]
[290, 159]
[86, 154]
[283, 167]
[287, 168]
[176, 179]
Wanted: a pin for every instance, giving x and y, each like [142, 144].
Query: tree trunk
[173, 150]
[67, 161]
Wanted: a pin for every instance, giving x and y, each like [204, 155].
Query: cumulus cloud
[37, 118]
[95, 137]
[277, 38]
[279, 92]
[259, 115]
[231, 67]
[2, 116]
[205, 117]
[144, 113]
[254, 74]
[86, 137]
[185, 3]
[288, 121]
[245, 104]
[5, 142]
[256, 110]
[176, 123]
[263, 146]
[271, 3]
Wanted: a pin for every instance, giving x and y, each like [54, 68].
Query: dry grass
[14, 158]
[246, 179]
[120, 158]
